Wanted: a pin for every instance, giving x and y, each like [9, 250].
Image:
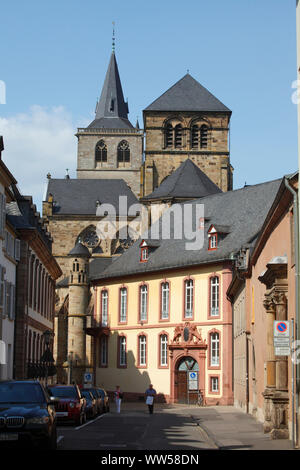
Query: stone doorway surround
[187, 342]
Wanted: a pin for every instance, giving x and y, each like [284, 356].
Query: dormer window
[213, 242]
[215, 234]
[144, 252]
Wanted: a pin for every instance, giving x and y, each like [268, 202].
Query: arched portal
[186, 380]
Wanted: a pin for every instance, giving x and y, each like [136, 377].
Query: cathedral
[181, 154]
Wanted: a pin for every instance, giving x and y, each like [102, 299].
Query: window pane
[214, 344]
[214, 296]
[122, 351]
[165, 300]
[104, 308]
[188, 299]
[142, 350]
[123, 306]
[143, 303]
[163, 350]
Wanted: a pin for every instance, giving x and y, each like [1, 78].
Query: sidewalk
[230, 428]
[220, 427]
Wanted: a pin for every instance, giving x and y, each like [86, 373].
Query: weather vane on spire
[113, 38]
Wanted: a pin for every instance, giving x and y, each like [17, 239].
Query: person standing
[150, 395]
[118, 398]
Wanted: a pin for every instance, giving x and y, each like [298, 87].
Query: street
[171, 427]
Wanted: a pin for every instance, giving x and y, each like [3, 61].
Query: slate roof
[244, 210]
[22, 214]
[111, 123]
[187, 181]
[79, 196]
[187, 95]
[111, 110]
[80, 250]
[98, 265]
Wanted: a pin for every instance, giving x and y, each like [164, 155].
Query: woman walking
[118, 398]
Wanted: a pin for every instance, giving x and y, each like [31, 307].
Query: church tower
[187, 122]
[110, 147]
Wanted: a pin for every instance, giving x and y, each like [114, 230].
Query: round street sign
[281, 327]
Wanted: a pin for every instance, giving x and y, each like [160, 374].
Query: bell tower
[111, 147]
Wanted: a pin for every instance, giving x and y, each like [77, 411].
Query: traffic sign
[193, 380]
[88, 377]
[281, 336]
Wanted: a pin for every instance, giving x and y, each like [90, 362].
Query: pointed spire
[112, 103]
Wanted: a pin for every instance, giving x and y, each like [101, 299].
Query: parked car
[91, 404]
[105, 400]
[27, 414]
[71, 405]
[97, 397]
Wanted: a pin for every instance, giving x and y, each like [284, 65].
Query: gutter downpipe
[294, 366]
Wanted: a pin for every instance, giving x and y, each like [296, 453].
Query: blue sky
[54, 56]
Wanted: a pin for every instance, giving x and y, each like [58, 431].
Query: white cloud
[36, 143]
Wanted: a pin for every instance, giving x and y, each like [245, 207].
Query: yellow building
[161, 313]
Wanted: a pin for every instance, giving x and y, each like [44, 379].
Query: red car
[71, 405]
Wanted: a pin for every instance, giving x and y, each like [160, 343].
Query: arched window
[204, 136]
[194, 136]
[178, 135]
[169, 135]
[101, 152]
[123, 152]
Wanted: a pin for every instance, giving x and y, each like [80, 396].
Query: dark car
[91, 404]
[105, 400]
[27, 414]
[97, 397]
[71, 405]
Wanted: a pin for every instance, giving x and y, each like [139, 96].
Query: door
[182, 392]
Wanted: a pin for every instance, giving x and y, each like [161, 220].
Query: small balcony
[99, 328]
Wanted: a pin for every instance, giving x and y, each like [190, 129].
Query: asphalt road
[169, 428]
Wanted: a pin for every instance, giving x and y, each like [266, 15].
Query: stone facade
[87, 167]
[161, 161]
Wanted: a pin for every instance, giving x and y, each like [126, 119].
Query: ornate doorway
[187, 353]
[182, 382]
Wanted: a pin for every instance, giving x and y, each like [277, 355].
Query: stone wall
[214, 160]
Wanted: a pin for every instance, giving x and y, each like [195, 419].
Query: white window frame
[189, 298]
[142, 350]
[143, 302]
[214, 349]
[165, 300]
[215, 384]
[214, 296]
[163, 350]
[213, 241]
[123, 304]
[122, 352]
[104, 308]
